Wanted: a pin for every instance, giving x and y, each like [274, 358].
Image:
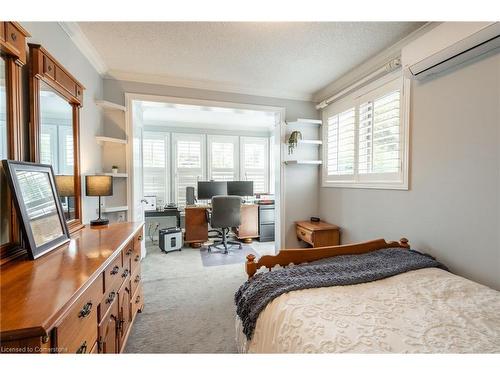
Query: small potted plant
[114, 169]
[293, 140]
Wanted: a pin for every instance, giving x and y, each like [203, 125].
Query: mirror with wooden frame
[12, 58]
[55, 101]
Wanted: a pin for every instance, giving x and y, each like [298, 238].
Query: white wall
[452, 209]
[301, 196]
[53, 38]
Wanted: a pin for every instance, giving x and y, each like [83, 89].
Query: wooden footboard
[296, 256]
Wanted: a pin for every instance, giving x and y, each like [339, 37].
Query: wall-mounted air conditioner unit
[447, 45]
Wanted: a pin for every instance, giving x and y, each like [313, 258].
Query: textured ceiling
[282, 57]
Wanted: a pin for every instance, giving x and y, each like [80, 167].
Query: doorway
[159, 126]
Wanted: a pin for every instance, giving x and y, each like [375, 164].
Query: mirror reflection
[40, 205]
[4, 203]
[56, 144]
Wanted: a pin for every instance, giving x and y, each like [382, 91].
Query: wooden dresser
[318, 234]
[80, 298]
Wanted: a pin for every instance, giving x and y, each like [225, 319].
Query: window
[366, 137]
[189, 163]
[254, 164]
[154, 149]
[223, 155]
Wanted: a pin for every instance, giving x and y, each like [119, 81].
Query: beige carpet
[188, 308]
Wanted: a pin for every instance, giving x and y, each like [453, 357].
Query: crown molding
[76, 34]
[207, 85]
[370, 65]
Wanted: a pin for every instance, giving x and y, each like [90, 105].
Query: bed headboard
[296, 256]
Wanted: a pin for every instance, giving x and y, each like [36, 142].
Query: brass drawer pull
[115, 270]
[82, 349]
[125, 273]
[13, 36]
[139, 237]
[303, 233]
[111, 297]
[138, 299]
[85, 311]
[137, 278]
[137, 257]
[49, 68]
[129, 251]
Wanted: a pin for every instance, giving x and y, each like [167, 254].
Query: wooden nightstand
[318, 234]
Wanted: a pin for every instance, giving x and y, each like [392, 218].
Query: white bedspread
[423, 311]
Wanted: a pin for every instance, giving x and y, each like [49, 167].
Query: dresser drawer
[305, 234]
[136, 256]
[128, 254]
[135, 280]
[108, 300]
[112, 274]
[137, 300]
[77, 332]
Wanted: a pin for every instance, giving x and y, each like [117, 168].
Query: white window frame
[265, 141]
[234, 139]
[201, 177]
[374, 89]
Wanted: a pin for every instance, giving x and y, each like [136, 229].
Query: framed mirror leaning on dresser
[12, 58]
[55, 101]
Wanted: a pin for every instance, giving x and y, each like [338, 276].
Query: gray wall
[53, 38]
[452, 208]
[301, 181]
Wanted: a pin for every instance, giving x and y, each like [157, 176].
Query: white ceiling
[280, 59]
[195, 116]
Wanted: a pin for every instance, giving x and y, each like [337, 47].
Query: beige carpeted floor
[188, 308]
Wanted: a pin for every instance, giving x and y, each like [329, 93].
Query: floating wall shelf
[117, 175]
[102, 139]
[310, 141]
[310, 162]
[114, 209]
[109, 105]
[305, 122]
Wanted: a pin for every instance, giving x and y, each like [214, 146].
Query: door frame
[278, 132]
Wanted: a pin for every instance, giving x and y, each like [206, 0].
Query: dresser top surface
[34, 292]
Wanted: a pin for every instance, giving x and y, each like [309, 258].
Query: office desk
[197, 227]
[166, 212]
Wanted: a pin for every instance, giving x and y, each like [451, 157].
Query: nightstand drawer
[304, 234]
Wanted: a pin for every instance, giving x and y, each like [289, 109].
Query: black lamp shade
[65, 185]
[98, 186]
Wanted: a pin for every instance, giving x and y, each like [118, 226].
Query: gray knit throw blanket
[254, 295]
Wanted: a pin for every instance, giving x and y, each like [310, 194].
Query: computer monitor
[208, 189]
[240, 188]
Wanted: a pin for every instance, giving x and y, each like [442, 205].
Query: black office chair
[226, 213]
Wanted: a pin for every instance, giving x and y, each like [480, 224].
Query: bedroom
[208, 130]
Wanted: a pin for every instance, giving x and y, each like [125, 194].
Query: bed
[426, 310]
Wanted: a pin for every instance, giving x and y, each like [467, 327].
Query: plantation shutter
[340, 139]
[379, 135]
[255, 163]
[222, 158]
[155, 176]
[189, 163]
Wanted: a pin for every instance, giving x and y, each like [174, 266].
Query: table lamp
[99, 186]
[66, 188]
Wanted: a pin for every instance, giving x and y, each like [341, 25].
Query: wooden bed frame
[296, 256]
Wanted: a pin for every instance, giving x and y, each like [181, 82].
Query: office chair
[226, 213]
